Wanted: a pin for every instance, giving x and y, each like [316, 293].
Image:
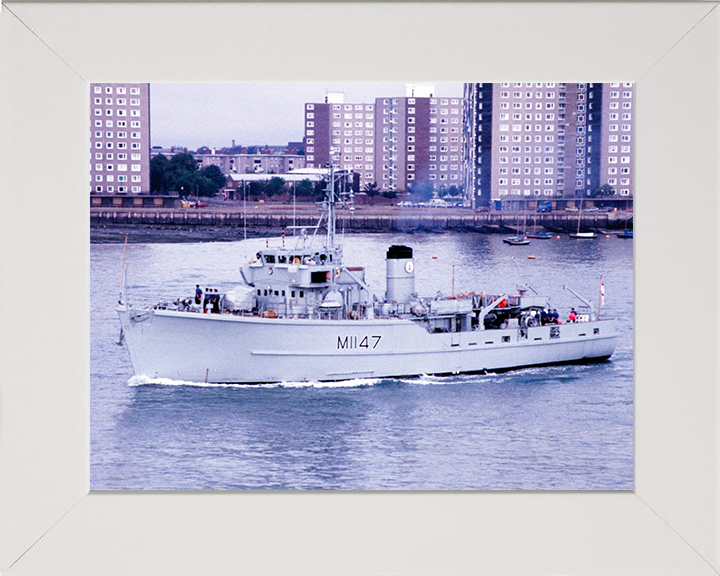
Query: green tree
[275, 186]
[319, 190]
[159, 165]
[183, 163]
[255, 188]
[181, 174]
[604, 190]
[304, 188]
[176, 174]
[215, 177]
[184, 183]
[169, 181]
[204, 186]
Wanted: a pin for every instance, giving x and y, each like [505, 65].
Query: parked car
[192, 204]
[483, 209]
[544, 206]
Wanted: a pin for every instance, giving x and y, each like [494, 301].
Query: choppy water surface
[556, 428]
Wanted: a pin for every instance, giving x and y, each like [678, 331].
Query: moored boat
[516, 241]
[577, 233]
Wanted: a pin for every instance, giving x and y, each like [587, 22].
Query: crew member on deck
[198, 294]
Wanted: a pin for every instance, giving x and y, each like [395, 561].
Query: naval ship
[300, 314]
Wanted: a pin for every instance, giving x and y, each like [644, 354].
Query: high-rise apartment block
[546, 141]
[616, 141]
[344, 131]
[392, 142]
[120, 138]
[419, 140]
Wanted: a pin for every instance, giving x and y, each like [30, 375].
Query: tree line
[276, 186]
[181, 174]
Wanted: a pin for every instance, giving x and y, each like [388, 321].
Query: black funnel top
[399, 252]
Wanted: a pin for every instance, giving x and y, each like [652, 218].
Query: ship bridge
[306, 283]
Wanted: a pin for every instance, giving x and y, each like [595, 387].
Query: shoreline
[216, 224]
[180, 234]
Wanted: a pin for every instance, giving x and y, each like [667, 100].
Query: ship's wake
[539, 373]
[354, 383]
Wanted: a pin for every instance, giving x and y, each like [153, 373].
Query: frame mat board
[49, 53]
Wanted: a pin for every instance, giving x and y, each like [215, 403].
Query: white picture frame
[50, 523]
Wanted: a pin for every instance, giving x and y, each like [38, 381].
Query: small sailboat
[518, 240]
[579, 234]
[625, 233]
[538, 235]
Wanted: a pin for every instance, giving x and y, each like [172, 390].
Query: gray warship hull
[302, 315]
[251, 349]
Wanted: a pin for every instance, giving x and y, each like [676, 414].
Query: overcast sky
[214, 115]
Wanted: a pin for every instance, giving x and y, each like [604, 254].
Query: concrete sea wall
[435, 220]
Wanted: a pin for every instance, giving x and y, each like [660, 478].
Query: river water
[555, 428]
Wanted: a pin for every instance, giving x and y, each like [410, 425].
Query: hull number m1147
[354, 342]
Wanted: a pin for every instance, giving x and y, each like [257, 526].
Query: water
[556, 428]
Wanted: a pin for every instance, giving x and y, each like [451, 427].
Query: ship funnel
[400, 274]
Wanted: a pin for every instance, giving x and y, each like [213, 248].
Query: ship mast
[334, 198]
[331, 208]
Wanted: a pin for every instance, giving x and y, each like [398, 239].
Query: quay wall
[431, 220]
